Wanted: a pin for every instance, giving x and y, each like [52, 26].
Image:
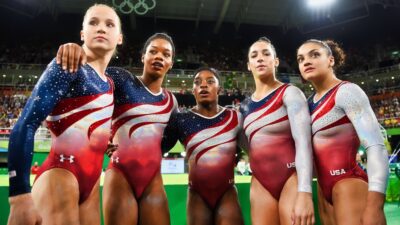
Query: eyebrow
[165, 49]
[263, 50]
[311, 51]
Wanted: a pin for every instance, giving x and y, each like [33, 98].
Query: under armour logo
[67, 158]
[115, 159]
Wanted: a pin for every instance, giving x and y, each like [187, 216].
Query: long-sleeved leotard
[139, 120]
[341, 120]
[279, 134]
[210, 145]
[78, 108]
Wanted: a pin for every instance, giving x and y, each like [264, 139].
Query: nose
[159, 56]
[203, 84]
[101, 28]
[306, 63]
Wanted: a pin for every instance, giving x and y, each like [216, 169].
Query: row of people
[274, 125]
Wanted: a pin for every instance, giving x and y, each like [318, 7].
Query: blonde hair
[102, 5]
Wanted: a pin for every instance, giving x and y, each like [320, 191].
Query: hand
[71, 56]
[373, 216]
[303, 210]
[373, 213]
[22, 211]
[111, 149]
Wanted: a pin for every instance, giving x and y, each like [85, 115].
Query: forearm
[377, 168]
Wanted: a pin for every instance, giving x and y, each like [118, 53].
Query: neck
[209, 110]
[99, 61]
[325, 84]
[264, 85]
[153, 83]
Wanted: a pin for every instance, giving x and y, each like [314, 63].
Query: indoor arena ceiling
[283, 13]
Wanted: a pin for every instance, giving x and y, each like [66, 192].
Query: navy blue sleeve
[51, 87]
[171, 133]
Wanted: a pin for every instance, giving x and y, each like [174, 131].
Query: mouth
[203, 93]
[261, 67]
[309, 69]
[100, 38]
[157, 65]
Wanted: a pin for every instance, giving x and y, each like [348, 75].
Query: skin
[120, 204]
[205, 90]
[101, 35]
[316, 65]
[293, 207]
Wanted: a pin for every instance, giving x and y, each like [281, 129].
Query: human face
[262, 60]
[314, 61]
[101, 29]
[205, 87]
[157, 59]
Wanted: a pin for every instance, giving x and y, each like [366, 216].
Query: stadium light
[166, 154]
[392, 78]
[183, 154]
[361, 152]
[377, 80]
[319, 3]
[4, 75]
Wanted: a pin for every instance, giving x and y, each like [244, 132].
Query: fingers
[39, 221]
[82, 57]
[71, 57]
[64, 57]
[59, 54]
[111, 148]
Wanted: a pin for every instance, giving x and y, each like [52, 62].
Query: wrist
[20, 199]
[375, 200]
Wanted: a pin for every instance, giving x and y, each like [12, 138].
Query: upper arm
[355, 104]
[298, 113]
[170, 136]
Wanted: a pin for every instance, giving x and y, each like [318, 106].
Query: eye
[92, 22]
[111, 25]
[315, 54]
[196, 82]
[167, 55]
[210, 81]
[299, 59]
[153, 52]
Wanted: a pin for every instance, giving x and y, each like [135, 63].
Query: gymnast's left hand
[303, 210]
[111, 148]
[373, 213]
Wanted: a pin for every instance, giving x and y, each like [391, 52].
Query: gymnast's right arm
[170, 136]
[51, 87]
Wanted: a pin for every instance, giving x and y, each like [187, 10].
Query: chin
[156, 74]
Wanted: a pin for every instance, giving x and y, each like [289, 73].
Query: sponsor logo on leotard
[115, 159]
[337, 172]
[291, 165]
[12, 173]
[69, 159]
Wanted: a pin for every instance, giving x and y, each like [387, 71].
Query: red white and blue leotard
[139, 120]
[210, 145]
[278, 131]
[78, 108]
[341, 120]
